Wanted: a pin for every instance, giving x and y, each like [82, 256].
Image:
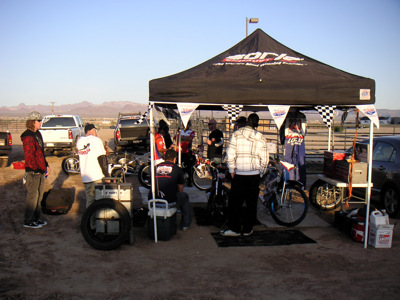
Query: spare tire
[96, 214]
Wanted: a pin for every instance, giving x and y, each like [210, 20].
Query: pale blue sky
[69, 51]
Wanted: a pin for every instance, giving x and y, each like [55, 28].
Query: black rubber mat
[263, 238]
[203, 217]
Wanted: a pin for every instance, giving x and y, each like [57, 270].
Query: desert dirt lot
[55, 262]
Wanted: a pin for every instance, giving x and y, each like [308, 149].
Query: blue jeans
[35, 187]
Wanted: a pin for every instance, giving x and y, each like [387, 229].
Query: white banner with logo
[186, 110]
[370, 111]
[278, 113]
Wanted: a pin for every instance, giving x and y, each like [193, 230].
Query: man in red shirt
[36, 169]
[187, 135]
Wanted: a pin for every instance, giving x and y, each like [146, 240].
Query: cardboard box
[381, 237]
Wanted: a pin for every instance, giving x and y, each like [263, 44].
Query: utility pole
[52, 107]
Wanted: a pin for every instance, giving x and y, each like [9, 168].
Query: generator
[122, 192]
[107, 222]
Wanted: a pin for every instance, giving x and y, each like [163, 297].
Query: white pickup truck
[60, 132]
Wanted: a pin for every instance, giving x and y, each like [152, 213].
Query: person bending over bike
[247, 159]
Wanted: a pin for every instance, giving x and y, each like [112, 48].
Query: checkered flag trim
[233, 111]
[144, 116]
[326, 113]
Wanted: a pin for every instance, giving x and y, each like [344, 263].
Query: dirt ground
[55, 262]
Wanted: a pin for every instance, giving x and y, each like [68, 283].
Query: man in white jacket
[247, 159]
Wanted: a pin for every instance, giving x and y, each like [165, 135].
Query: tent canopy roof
[260, 71]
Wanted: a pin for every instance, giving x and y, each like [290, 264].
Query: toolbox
[359, 172]
[330, 158]
[165, 218]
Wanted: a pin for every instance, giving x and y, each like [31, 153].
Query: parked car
[129, 133]
[386, 173]
[61, 132]
[5, 147]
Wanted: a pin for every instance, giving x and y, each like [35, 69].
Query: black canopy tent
[258, 72]
[261, 71]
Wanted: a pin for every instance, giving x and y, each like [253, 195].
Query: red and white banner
[370, 111]
[278, 113]
[186, 110]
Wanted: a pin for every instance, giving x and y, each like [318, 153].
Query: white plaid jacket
[247, 152]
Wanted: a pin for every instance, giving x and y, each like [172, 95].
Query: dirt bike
[119, 165]
[201, 173]
[218, 194]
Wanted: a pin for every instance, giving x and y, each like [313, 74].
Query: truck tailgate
[58, 135]
[134, 133]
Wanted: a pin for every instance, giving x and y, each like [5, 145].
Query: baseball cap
[89, 127]
[34, 116]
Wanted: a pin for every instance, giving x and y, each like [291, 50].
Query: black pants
[188, 159]
[245, 189]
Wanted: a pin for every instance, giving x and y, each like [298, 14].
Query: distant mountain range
[86, 109]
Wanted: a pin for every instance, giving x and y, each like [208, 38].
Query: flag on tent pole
[326, 112]
[370, 111]
[278, 113]
[186, 110]
[144, 116]
[233, 111]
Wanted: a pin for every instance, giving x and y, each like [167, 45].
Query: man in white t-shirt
[92, 161]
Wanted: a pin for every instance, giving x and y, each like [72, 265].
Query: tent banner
[144, 116]
[278, 113]
[327, 113]
[370, 112]
[186, 110]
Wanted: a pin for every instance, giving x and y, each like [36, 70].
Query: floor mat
[203, 217]
[263, 238]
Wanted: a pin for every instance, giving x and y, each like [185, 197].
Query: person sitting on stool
[169, 186]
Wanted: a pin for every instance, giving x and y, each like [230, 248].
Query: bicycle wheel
[293, 208]
[70, 165]
[144, 176]
[218, 206]
[202, 177]
[106, 224]
[324, 195]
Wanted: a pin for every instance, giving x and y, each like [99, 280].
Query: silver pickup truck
[60, 132]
